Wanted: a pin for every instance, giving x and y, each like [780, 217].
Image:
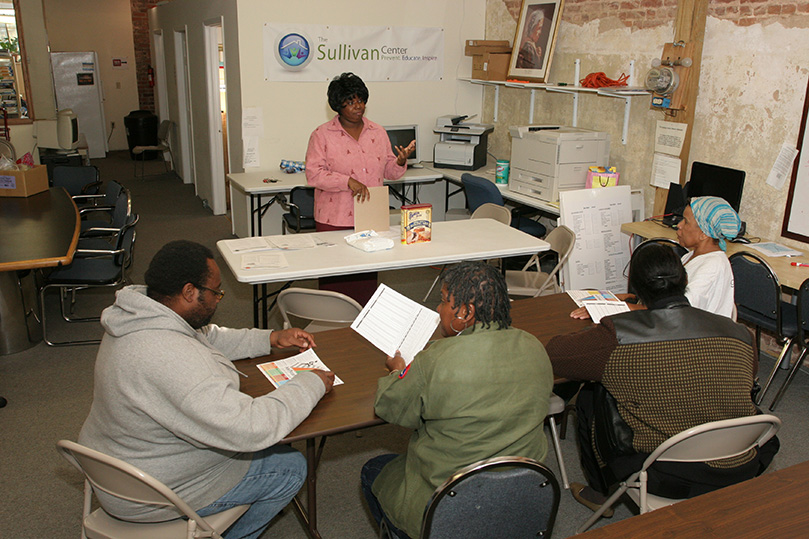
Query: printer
[546, 159]
[461, 145]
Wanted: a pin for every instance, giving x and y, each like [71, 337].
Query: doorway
[217, 113]
[184, 120]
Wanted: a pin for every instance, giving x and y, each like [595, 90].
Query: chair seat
[526, 283]
[307, 223]
[789, 319]
[100, 525]
[87, 271]
[654, 502]
[529, 226]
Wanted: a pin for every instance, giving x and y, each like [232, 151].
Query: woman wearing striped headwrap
[707, 223]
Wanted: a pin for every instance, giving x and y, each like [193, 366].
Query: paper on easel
[391, 322]
[665, 170]
[373, 214]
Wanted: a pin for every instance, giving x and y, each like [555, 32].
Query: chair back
[678, 249]
[111, 193]
[803, 313]
[77, 180]
[126, 241]
[163, 132]
[492, 211]
[757, 292]
[562, 240]
[304, 199]
[479, 191]
[122, 209]
[717, 440]
[121, 480]
[497, 497]
[326, 309]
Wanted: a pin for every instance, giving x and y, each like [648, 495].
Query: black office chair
[497, 497]
[758, 301]
[90, 269]
[77, 180]
[480, 191]
[802, 339]
[114, 219]
[101, 201]
[300, 216]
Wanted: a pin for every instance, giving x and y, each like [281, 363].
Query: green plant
[10, 44]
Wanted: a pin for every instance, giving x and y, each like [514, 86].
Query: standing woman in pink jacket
[346, 156]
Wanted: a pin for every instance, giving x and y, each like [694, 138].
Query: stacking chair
[90, 268]
[163, 145]
[480, 191]
[102, 201]
[758, 301]
[484, 211]
[556, 409]
[121, 480]
[324, 308]
[497, 497]
[77, 180]
[710, 441]
[300, 216]
[536, 283]
[803, 340]
[112, 219]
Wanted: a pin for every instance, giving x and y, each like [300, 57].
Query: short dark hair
[175, 264]
[483, 286]
[656, 272]
[343, 87]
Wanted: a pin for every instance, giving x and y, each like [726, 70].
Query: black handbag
[612, 437]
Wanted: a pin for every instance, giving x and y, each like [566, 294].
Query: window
[14, 94]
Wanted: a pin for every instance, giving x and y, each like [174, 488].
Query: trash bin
[141, 130]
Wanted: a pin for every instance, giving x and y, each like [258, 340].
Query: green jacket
[479, 395]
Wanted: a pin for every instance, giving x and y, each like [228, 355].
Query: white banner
[315, 53]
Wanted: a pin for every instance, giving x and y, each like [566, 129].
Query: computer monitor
[675, 202]
[402, 135]
[713, 180]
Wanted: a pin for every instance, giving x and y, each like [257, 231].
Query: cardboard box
[482, 46]
[491, 66]
[23, 183]
[417, 223]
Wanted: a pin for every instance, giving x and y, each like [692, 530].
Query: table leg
[309, 514]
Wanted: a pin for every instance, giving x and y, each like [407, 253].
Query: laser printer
[546, 159]
[461, 145]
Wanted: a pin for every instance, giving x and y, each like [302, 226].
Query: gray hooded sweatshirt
[167, 400]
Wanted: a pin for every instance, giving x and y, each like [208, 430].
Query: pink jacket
[333, 156]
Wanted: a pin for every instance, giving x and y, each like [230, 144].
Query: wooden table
[39, 231]
[359, 364]
[772, 505]
[788, 275]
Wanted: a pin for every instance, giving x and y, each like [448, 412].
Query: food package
[417, 223]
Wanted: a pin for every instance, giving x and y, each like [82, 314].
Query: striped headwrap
[716, 218]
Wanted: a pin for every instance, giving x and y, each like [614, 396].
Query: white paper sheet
[669, 137]
[282, 371]
[782, 166]
[248, 245]
[264, 261]
[665, 170]
[391, 322]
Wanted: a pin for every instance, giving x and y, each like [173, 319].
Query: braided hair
[655, 272]
[483, 286]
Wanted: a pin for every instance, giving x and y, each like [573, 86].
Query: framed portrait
[796, 216]
[535, 39]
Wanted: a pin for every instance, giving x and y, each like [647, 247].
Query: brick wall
[650, 13]
[143, 57]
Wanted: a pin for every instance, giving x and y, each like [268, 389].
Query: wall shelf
[621, 92]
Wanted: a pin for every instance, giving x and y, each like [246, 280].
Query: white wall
[292, 110]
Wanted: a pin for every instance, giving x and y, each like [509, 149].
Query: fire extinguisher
[150, 76]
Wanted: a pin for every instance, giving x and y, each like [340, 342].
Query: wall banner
[316, 53]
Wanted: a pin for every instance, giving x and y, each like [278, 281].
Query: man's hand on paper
[395, 363]
[284, 338]
[327, 377]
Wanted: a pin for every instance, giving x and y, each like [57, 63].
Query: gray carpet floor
[50, 391]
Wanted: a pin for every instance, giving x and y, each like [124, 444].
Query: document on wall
[782, 166]
[665, 170]
[599, 303]
[250, 158]
[282, 371]
[391, 322]
[669, 137]
[253, 122]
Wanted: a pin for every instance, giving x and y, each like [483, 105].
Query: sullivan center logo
[293, 51]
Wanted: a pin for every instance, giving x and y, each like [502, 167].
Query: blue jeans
[370, 471]
[276, 474]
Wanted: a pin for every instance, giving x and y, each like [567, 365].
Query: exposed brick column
[143, 58]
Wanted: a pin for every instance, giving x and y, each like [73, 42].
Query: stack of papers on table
[771, 248]
[282, 371]
[599, 303]
[393, 322]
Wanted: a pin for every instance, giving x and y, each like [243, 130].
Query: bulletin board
[601, 251]
[796, 216]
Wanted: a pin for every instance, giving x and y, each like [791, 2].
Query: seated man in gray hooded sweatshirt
[167, 397]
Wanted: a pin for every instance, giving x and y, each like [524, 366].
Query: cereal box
[417, 223]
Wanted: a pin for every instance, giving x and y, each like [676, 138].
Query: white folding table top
[452, 241]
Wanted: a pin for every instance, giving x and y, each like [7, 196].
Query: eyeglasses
[353, 102]
[218, 293]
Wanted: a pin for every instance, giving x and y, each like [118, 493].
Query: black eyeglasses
[218, 293]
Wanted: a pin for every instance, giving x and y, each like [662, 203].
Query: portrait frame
[533, 44]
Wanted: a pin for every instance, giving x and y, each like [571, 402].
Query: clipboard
[373, 214]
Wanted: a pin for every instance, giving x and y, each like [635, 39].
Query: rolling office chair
[479, 191]
[300, 216]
